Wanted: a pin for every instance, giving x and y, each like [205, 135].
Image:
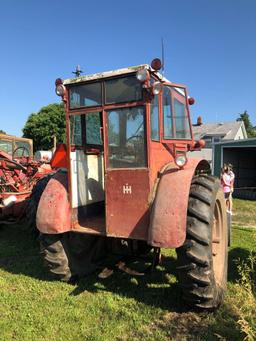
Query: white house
[213, 133]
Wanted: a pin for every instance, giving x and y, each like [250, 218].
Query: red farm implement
[19, 172]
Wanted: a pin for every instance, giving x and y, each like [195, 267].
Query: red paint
[5, 155]
[127, 203]
[156, 64]
[169, 212]
[59, 158]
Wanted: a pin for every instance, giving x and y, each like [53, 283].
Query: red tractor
[19, 172]
[125, 182]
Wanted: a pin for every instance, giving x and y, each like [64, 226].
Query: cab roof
[107, 74]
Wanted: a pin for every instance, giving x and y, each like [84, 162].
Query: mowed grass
[121, 307]
[244, 212]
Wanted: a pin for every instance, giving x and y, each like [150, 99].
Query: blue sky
[209, 46]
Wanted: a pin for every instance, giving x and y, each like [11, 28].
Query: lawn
[121, 307]
[244, 213]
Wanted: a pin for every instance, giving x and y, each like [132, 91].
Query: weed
[246, 305]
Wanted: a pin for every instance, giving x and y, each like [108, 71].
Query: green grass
[244, 212]
[118, 308]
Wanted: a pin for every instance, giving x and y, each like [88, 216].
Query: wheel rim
[218, 241]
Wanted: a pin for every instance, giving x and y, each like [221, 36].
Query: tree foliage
[44, 125]
[245, 117]
[2, 131]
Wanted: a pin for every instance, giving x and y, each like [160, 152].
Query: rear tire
[202, 260]
[70, 256]
[55, 256]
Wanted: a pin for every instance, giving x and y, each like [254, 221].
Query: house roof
[225, 130]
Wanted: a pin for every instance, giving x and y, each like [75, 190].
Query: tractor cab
[16, 147]
[123, 126]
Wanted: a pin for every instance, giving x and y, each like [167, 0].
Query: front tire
[202, 260]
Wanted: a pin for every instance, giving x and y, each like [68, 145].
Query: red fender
[169, 212]
[54, 213]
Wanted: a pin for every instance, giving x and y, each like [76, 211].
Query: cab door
[86, 166]
[175, 114]
[127, 176]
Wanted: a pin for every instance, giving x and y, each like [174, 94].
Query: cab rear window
[116, 90]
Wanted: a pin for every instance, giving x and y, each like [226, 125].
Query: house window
[216, 139]
[208, 142]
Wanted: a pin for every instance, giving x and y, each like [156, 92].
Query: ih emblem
[127, 189]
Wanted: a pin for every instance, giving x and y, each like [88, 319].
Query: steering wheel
[25, 152]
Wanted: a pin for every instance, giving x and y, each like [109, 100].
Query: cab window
[167, 114]
[154, 118]
[76, 130]
[124, 89]
[6, 146]
[126, 138]
[85, 129]
[93, 128]
[23, 148]
[181, 120]
[175, 114]
[86, 95]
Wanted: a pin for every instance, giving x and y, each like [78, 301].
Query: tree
[251, 131]
[2, 132]
[43, 126]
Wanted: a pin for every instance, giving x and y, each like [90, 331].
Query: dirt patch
[183, 326]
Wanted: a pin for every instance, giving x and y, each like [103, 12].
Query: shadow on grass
[19, 254]
[157, 288]
[239, 256]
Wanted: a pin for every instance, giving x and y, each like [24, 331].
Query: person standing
[227, 182]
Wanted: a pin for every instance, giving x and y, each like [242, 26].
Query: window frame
[86, 106]
[103, 93]
[84, 144]
[106, 139]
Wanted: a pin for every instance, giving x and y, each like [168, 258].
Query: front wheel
[202, 260]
